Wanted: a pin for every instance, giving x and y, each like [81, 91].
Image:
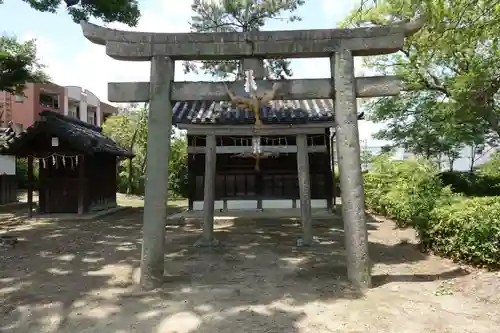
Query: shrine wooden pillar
[334, 180]
[82, 185]
[30, 186]
[191, 181]
[304, 188]
[207, 237]
[329, 173]
[351, 179]
[158, 152]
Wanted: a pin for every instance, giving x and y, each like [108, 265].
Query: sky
[73, 60]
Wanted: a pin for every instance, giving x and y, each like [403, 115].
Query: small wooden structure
[77, 164]
[8, 180]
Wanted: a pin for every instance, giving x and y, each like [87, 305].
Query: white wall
[74, 92]
[92, 100]
[7, 165]
[66, 102]
[83, 107]
[460, 164]
[85, 98]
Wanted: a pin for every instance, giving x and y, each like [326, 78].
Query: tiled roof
[6, 134]
[285, 112]
[82, 136]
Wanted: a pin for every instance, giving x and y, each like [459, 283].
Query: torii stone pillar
[155, 198]
[351, 179]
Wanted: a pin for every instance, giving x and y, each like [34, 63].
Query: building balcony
[49, 101]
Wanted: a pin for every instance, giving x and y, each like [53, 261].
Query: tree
[19, 64]
[492, 167]
[130, 129]
[366, 158]
[421, 124]
[178, 170]
[18, 61]
[386, 149]
[451, 67]
[242, 16]
[123, 11]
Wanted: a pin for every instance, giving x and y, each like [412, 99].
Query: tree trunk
[130, 167]
[451, 161]
[472, 157]
[143, 165]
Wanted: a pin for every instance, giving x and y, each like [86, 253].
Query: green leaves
[19, 64]
[404, 190]
[131, 131]
[467, 230]
[240, 15]
[451, 69]
[410, 192]
[123, 11]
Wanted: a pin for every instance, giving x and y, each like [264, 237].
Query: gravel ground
[81, 277]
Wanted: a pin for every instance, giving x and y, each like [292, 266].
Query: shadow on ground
[80, 276]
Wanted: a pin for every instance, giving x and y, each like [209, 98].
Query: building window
[92, 117]
[74, 111]
[50, 101]
[19, 98]
[19, 128]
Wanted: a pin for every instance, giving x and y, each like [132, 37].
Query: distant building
[23, 110]
[460, 164]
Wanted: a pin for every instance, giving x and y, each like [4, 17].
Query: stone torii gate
[339, 45]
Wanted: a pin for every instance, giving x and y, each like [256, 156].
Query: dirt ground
[81, 277]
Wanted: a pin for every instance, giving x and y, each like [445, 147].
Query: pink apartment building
[74, 101]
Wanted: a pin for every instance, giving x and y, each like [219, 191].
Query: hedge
[403, 190]
[412, 193]
[468, 230]
[471, 183]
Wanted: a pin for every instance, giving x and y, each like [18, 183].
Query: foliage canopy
[242, 16]
[451, 69]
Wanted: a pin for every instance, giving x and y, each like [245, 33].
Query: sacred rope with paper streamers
[58, 159]
[279, 141]
[259, 151]
[253, 104]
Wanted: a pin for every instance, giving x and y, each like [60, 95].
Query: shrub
[466, 230]
[472, 183]
[404, 190]
[491, 168]
[22, 173]
[411, 192]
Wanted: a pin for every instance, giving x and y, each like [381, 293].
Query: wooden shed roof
[81, 136]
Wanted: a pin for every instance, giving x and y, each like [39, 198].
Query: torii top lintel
[141, 46]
